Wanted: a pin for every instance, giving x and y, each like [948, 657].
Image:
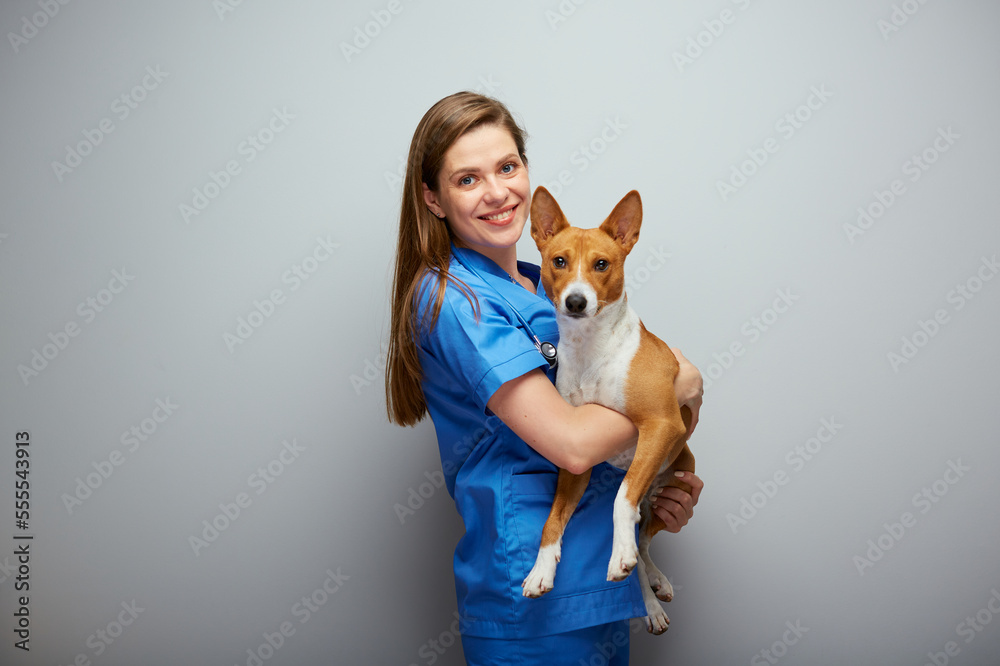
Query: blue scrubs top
[503, 488]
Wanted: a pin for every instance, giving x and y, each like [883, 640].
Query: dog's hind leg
[569, 490]
[656, 619]
[656, 436]
[650, 525]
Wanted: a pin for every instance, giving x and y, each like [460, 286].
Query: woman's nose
[496, 189]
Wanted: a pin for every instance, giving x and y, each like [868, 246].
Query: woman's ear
[430, 198]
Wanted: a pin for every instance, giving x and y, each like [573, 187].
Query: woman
[465, 318]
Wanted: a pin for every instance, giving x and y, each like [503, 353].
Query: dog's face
[584, 269]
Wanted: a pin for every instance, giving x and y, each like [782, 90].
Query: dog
[606, 356]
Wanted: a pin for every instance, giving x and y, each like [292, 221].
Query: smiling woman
[483, 193]
[460, 350]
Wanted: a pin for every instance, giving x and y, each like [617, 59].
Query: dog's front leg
[624, 553]
[569, 490]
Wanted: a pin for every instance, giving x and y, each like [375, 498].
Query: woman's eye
[601, 265]
[508, 168]
[465, 180]
[558, 262]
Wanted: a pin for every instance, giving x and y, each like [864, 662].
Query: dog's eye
[558, 262]
[601, 265]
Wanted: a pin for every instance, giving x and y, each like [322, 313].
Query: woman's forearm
[598, 433]
[573, 438]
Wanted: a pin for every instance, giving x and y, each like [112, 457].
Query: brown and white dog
[606, 356]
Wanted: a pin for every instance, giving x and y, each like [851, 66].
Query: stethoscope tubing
[546, 349]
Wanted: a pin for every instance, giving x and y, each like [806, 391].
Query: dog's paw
[542, 576]
[657, 622]
[623, 560]
[659, 584]
[537, 583]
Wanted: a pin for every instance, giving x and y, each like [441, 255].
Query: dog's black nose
[576, 303]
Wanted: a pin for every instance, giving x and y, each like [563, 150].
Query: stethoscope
[546, 349]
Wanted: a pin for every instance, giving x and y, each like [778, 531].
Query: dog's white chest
[595, 357]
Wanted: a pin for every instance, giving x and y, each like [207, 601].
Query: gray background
[311, 371]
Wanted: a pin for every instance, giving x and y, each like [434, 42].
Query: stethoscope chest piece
[548, 351]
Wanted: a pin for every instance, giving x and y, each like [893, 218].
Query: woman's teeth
[498, 216]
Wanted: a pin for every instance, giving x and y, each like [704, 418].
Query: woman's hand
[674, 506]
[688, 388]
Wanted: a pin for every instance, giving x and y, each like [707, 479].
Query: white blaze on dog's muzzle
[579, 300]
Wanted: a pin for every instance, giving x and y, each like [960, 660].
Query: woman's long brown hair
[424, 242]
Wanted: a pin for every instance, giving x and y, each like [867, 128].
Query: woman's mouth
[503, 217]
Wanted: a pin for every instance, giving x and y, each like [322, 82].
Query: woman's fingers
[674, 506]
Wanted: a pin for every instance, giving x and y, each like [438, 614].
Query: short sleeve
[477, 355]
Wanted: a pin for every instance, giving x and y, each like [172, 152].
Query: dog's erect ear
[624, 221]
[547, 218]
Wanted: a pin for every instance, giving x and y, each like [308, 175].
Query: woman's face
[483, 191]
